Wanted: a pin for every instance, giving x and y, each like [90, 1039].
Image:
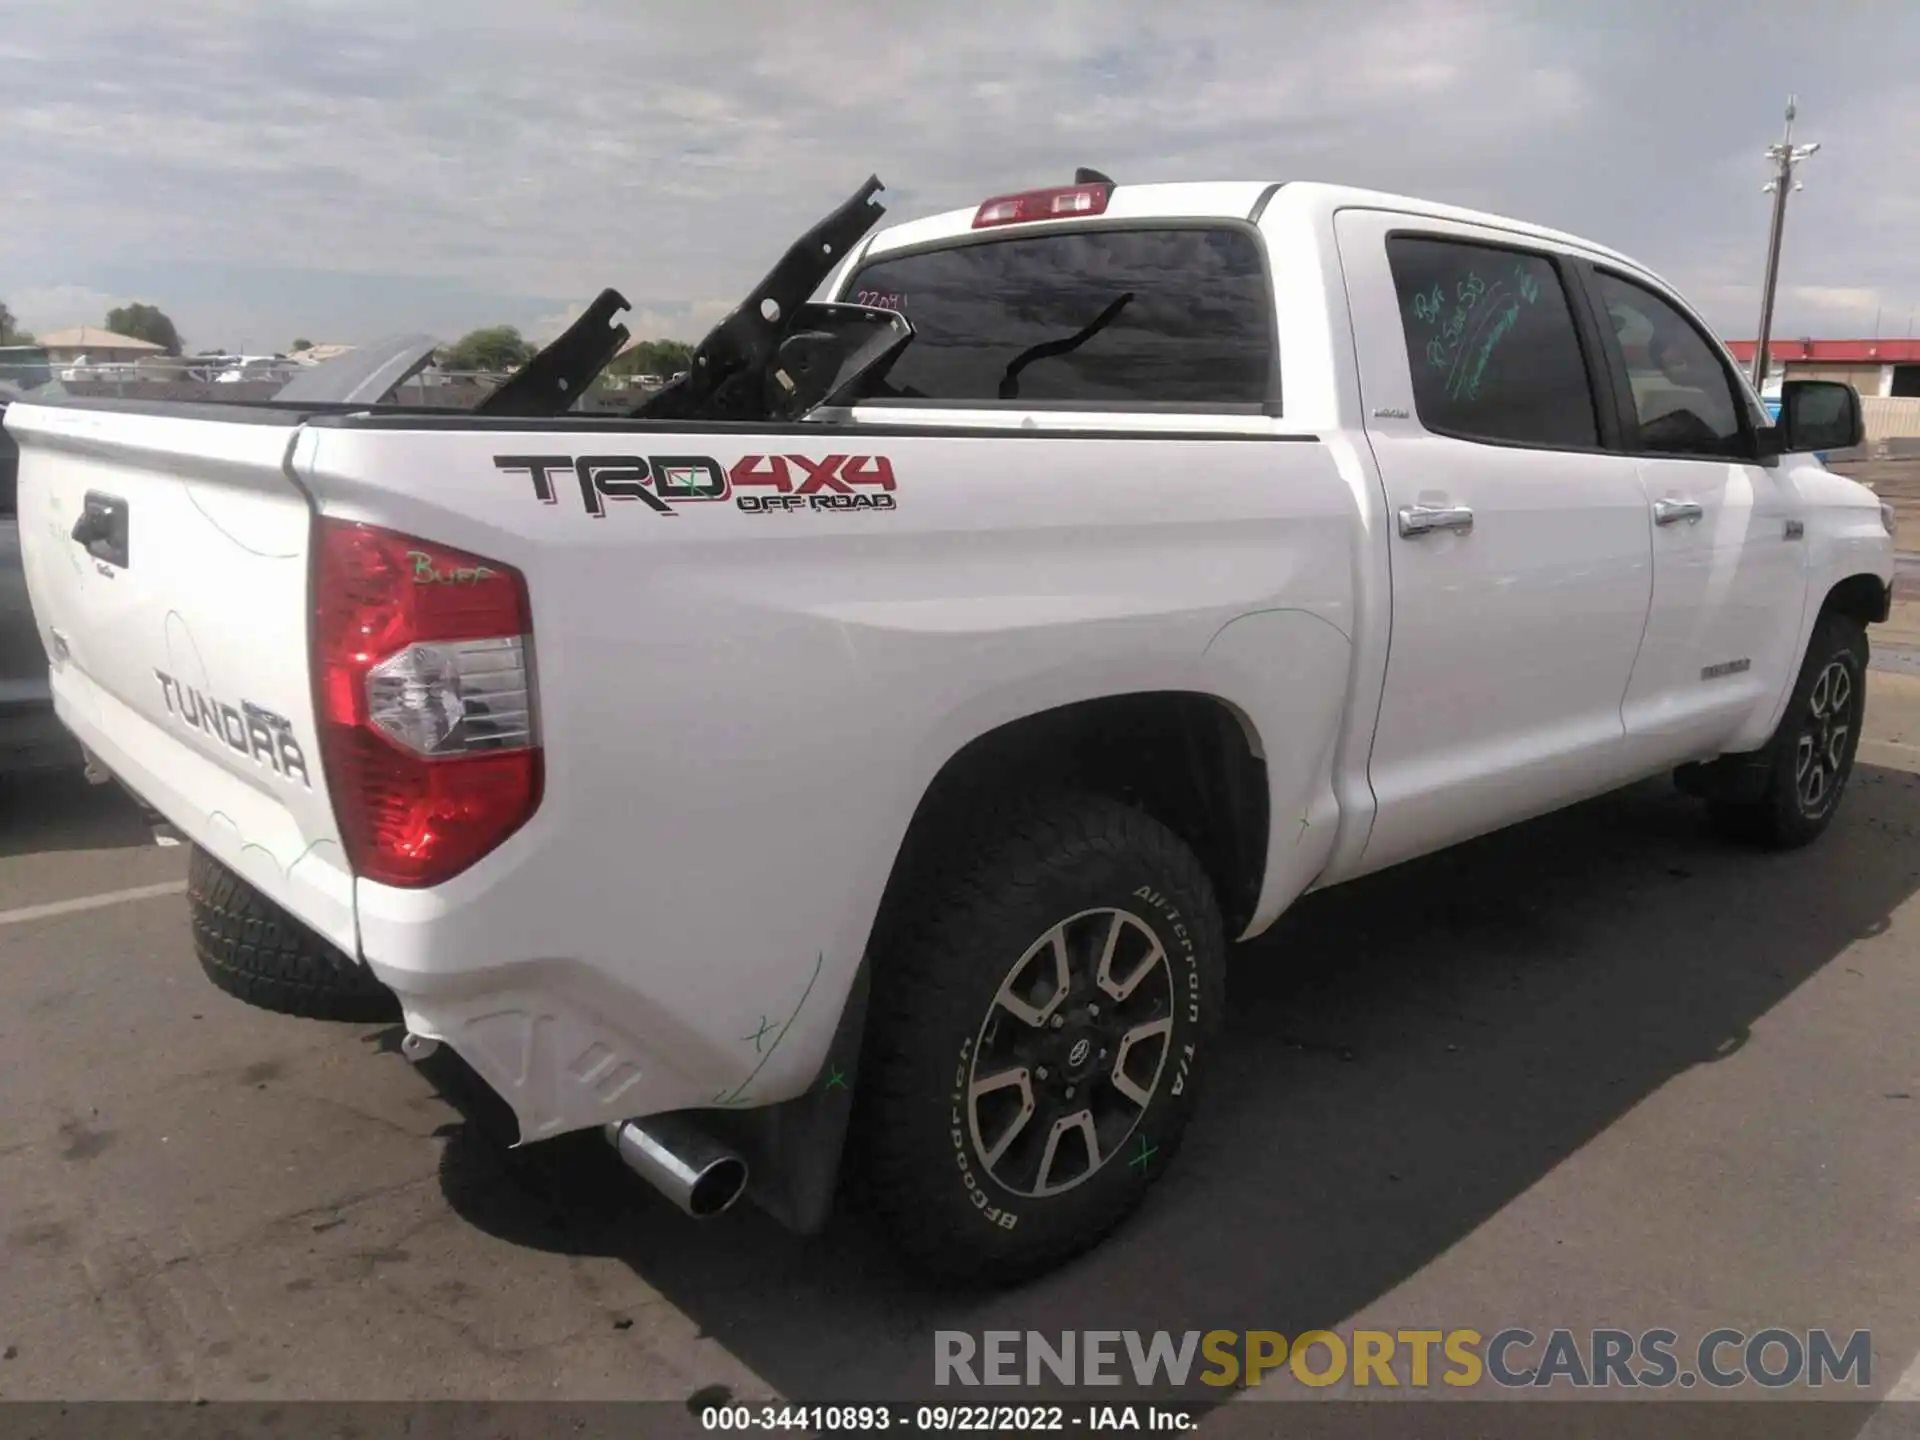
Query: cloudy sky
[344, 170]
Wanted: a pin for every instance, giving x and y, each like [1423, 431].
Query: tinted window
[1492, 344]
[1682, 397]
[1099, 316]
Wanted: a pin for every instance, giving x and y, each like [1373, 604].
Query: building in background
[96, 346]
[1875, 368]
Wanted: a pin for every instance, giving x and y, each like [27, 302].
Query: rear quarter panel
[742, 708]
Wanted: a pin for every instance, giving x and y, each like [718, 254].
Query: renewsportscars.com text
[1511, 1358]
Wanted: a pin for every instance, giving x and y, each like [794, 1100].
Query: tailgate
[176, 626]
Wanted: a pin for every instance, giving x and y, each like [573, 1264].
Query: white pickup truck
[870, 744]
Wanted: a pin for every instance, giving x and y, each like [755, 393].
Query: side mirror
[827, 351]
[1819, 415]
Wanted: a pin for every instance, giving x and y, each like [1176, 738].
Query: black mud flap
[1735, 779]
[793, 1150]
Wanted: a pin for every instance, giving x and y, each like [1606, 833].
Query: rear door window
[1105, 318]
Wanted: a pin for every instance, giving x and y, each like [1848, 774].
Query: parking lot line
[1907, 1387]
[89, 902]
[1895, 1419]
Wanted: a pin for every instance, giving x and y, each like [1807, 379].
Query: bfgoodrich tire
[1810, 757]
[1044, 1001]
[256, 952]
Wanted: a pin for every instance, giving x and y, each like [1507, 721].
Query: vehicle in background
[869, 743]
[31, 735]
[243, 369]
[1770, 394]
[24, 367]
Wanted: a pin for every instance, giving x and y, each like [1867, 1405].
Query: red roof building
[1873, 367]
[1832, 352]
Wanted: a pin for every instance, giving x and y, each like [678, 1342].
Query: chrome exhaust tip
[681, 1161]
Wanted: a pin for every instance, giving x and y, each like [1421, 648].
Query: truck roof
[1229, 200]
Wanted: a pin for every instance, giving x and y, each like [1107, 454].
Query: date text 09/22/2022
[920, 1419]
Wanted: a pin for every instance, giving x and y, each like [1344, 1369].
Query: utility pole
[1785, 156]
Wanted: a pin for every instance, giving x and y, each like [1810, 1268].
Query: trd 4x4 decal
[663, 482]
[800, 483]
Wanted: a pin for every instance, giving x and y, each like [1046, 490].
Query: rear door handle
[1424, 519]
[1667, 512]
[102, 529]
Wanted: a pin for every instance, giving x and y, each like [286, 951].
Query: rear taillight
[1064, 202]
[424, 694]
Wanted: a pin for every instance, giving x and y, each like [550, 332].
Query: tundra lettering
[251, 730]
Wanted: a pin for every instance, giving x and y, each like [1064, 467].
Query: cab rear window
[1106, 318]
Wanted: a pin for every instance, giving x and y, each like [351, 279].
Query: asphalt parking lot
[1599, 1070]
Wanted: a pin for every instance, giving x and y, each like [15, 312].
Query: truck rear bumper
[554, 1039]
[565, 1044]
[567, 1047]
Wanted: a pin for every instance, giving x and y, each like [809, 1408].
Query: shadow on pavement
[59, 810]
[1405, 1056]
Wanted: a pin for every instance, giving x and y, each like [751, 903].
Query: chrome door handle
[1423, 519]
[1667, 512]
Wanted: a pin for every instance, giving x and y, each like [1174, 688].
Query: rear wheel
[1042, 1012]
[1810, 757]
[257, 952]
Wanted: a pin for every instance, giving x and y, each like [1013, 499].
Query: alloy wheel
[1820, 749]
[1071, 1052]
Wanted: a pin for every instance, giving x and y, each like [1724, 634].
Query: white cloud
[1851, 300]
[62, 307]
[551, 324]
[646, 322]
[512, 158]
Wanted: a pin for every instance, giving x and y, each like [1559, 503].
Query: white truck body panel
[1016, 574]
[740, 711]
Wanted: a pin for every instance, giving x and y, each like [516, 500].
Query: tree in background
[493, 347]
[10, 331]
[300, 345]
[652, 357]
[145, 322]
